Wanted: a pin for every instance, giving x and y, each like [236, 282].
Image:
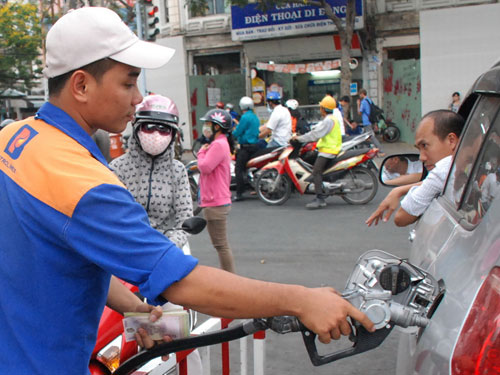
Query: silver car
[457, 240]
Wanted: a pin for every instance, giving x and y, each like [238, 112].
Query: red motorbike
[111, 349]
[347, 176]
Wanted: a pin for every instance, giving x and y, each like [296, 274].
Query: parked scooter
[111, 349]
[347, 176]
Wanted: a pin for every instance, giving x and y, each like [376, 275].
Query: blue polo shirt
[66, 225]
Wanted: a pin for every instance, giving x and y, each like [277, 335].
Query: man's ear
[453, 140]
[79, 85]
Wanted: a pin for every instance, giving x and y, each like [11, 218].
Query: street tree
[344, 26]
[20, 42]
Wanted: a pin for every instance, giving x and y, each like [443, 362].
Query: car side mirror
[401, 169]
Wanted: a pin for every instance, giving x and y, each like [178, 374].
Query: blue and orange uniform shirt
[66, 225]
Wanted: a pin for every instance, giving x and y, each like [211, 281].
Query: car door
[456, 240]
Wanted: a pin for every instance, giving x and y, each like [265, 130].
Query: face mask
[154, 143]
[269, 109]
[207, 131]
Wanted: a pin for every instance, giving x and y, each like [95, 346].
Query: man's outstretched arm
[389, 204]
[219, 293]
[403, 218]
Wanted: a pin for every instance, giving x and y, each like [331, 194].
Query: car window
[473, 181]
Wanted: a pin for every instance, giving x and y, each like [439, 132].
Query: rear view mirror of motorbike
[194, 225]
[401, 169]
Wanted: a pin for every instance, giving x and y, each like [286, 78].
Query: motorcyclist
[279, 125]
[329, 137]
[247, 135]
[234, 115]
[152, 175]
[299, 124]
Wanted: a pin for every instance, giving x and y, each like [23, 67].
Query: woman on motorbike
[152, 175]
[214, 161]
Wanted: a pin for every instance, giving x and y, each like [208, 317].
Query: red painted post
[181, 358]
[225, 349]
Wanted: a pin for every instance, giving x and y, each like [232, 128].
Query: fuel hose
[228, 334]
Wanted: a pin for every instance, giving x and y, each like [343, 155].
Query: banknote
[173, 323]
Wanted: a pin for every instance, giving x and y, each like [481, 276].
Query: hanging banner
[248, 23]
[304, 68]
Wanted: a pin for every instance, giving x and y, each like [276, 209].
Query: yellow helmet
[328, 103]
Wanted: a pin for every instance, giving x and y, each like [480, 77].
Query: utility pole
[139, 14]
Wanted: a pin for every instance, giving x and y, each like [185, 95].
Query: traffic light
[150, 20]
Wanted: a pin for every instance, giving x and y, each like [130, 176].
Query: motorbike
[389, 290]
[111, 349]
[347, 176]
[258, 160]
[390, 132]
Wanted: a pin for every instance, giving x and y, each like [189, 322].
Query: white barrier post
[259, 352]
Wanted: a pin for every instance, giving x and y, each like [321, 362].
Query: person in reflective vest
[329, 137]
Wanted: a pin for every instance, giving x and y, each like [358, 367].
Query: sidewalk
[398, 148]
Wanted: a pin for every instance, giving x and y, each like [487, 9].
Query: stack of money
[172, 323]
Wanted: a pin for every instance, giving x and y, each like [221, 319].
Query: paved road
[293, 245]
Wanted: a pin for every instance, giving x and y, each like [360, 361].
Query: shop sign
[305, 68]
[248, 23]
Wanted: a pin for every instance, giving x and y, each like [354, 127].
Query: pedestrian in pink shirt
[214, 160]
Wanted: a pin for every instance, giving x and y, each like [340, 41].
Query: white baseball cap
[89, 34]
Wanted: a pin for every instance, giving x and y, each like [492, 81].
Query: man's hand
[142, 337]
[326, 314]
[385, 208]
[389, 204]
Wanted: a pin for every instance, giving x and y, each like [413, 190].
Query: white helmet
[246, 103]
[6, 122]
[292, 104]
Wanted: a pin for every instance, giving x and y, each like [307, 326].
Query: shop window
[202, 8]
[403, 53]
[226, 63]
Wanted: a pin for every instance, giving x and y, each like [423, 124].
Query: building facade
[224, 53]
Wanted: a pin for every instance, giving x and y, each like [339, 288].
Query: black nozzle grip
[362, 342]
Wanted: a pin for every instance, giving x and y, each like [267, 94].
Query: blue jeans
[273, 143]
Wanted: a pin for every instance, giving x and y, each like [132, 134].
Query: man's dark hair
[446, 122]
[456, 93]
[95, 69]
[329, 93]
[345, 99]
[363, 91]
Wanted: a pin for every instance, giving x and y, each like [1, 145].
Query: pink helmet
[157, 109]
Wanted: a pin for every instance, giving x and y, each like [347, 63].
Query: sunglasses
[150, 128]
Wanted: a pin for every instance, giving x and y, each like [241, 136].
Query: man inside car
[436, 138]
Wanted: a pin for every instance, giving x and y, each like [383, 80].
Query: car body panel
[458, 250]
